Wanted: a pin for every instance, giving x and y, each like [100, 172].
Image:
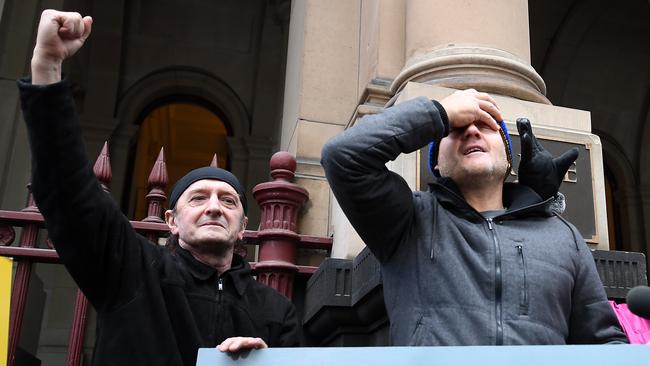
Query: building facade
[247, 78]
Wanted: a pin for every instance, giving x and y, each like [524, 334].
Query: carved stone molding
[483, 68]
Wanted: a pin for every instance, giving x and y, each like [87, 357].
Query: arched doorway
[173, 86]
[594, 56]
[190, 134]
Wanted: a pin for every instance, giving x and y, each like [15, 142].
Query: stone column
[321, 93]
[470, 44]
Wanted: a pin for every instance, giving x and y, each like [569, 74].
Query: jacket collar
[519, 199]
[239, 273]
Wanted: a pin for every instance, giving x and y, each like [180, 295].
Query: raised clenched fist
[60, 35]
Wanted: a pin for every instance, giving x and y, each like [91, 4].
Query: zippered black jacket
[451, 276]
[153, 307]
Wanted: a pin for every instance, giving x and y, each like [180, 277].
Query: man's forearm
[379, 203]
[377, 139]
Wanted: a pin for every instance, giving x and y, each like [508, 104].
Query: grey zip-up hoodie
[451, 276]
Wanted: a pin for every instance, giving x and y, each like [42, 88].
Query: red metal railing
[280, 201]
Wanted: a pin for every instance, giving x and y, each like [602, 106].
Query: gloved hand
[538, 169]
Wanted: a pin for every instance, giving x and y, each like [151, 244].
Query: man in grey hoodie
[474, 260]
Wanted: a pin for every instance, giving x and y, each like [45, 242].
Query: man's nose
[213, 206]
[471, 131]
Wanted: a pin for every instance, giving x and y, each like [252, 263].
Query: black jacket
[451, 275]
[153, 307]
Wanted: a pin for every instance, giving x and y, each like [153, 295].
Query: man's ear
[170, 219]
[244, 222]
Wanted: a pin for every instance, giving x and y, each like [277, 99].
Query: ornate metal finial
[215, 161]
[157, 183]
[283, 166]
[31, 204]
[102, 167]
[280, 201]
[158, 177]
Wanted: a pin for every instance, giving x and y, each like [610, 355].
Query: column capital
[472, 66]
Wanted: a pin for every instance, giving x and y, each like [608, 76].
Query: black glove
[538, 169]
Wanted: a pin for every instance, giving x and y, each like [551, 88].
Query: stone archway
[187, 82]
[170, 84]
[625, 194]
[594, 56]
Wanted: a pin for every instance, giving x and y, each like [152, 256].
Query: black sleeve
[291, 332]
[94, 240]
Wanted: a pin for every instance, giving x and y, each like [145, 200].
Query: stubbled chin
[474, 168]
[470, 163]
[215, 244]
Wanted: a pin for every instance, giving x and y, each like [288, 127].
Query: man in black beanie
[154, 306]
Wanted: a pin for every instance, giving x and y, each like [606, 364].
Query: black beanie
[207, 172]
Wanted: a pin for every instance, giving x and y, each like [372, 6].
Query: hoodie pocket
[523, 297]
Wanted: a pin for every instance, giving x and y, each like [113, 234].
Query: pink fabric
[636, 328]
